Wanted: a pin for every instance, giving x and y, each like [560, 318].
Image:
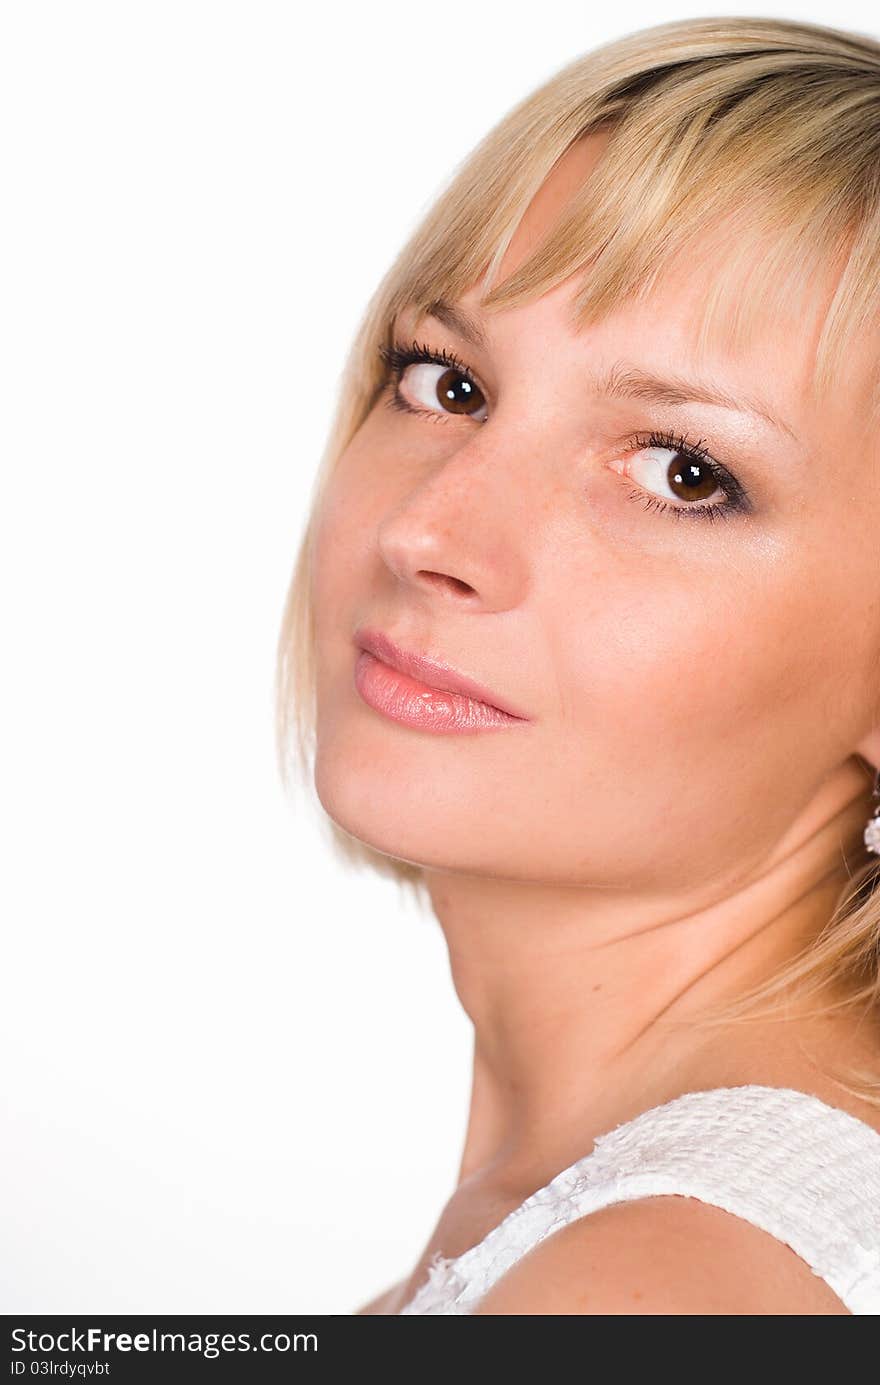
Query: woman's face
[688, 675]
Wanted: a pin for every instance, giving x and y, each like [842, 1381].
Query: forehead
[564, 180]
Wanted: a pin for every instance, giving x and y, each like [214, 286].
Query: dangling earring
[872, 831]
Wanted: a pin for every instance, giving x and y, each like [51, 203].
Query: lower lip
[404, 699]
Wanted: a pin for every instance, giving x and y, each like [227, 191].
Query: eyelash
[398, 356]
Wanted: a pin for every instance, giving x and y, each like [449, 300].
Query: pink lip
[405, 685]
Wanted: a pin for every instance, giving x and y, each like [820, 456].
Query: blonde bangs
[772, 151]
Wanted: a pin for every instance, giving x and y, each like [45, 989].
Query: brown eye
[689, 480]
[442, 389]
[684, 478]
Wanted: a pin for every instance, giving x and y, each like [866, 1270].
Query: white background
[235, 1076]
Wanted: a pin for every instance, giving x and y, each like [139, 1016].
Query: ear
[869, 748]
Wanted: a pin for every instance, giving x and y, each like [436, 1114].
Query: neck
[582, 1003]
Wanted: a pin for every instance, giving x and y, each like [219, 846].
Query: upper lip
[434, 672]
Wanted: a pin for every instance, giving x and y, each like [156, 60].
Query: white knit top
[806, 1172]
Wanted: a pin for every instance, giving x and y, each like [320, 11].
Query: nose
[462, 534]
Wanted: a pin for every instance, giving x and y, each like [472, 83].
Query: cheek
[650, 664]
[345, 523]
[669, 676]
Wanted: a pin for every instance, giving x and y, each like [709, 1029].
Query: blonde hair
[771, 128]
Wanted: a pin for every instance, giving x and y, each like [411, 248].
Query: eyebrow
[457, 320]
[623, 380]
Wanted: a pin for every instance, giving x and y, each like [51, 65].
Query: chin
[366, 803]
[400, 815]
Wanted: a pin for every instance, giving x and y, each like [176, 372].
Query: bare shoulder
[663, 1255]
